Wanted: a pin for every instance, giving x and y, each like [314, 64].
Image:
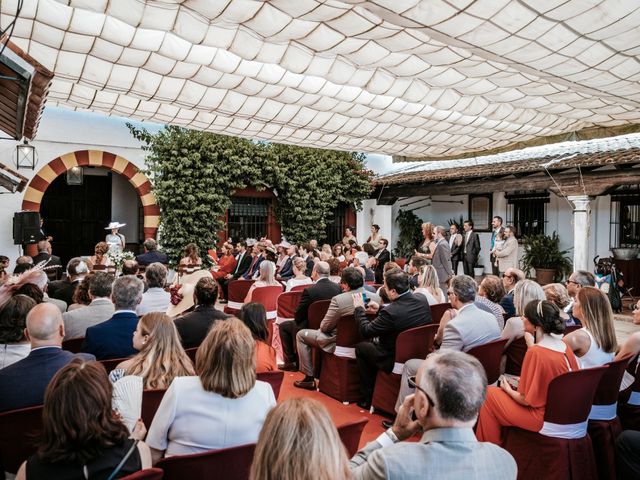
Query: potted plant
[543, 254]
[410, 234]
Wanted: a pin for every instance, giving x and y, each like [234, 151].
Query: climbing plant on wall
[195, 173]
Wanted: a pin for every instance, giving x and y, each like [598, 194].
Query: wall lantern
[26, 156]
[74, 176]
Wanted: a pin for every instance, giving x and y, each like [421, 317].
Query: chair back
[605, 400]
[229, 463]
[299, 288]
[182, 269]
[350, 434]
[437, 311]
[401, 262]
[268, 296]
[146, 474]
[150, 402]
[238, 290]
[569, 401]
[317, 311]
[191, 353]
[287, 304]
[515, 353]
[415, 343]
[112, 363]
[98, 267]
[274, 379]
[571, 328]
[347, 337]
[73, 345]
[490, 356]
[20, 432]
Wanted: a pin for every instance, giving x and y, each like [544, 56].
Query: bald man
[23, 383]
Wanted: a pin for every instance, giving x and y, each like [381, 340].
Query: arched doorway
[80, 211]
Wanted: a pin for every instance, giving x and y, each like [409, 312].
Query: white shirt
[192, 420]
[154, 300]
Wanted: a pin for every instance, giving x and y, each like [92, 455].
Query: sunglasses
[412, 383]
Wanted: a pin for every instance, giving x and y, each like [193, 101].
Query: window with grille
[248, 217]
[527, 212]
[625, 217]
[336, 224]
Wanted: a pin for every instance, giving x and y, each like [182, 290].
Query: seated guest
[23, 263]
[54, 267]
[81, 435]
[267, 278]
[243, 263]
[299, 442]
[627, 455]
[131, 267]
[415, 267]
[193, 326]
[490, 293]
[224, 406]
[450, 389]
[64, 289]
[525, 292]
[254, 317]
[4, 267]
[338, 252]
[151, 254]
[14, 345]
[305, 250]
[161, 356]
[510, 279]
[23, 383]
[227, 263]
[405, 311]
[39, 279]
[632, 345]
[256, 251]
[362, 259]
[286, 270]
[155, 299]
[99, 310]
[325, 337]
[557, 293]
[334, 270]
[595, 343]
[191, 255]
[299, 275]
[429, 285]
[81, 296]
[100, 255]
[112, 338]
[577, 280]
[544, 361]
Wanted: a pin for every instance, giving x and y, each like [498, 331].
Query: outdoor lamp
[25, 156]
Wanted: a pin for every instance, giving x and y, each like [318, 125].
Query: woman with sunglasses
[548, 358]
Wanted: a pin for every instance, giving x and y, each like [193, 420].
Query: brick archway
[95, 158]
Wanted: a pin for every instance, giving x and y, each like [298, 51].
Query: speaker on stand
[26, 228]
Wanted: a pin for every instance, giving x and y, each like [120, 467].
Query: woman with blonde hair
[223, 406]
[267, 278]
[594, 344]
[525, 292]
[299, 276]
[428, 285]
[428, 246]
[557, 294]
[161, 356]
[299, 442]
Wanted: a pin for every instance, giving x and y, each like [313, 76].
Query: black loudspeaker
[26, 228]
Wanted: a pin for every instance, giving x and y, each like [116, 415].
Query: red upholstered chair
[437, 311]
[562, 450]
[339, 377]
[286, 305]
[515, 356]
[150, 402]
[315, 314]
[19, 434]
[74, 345]
[229, 463]
[191, 353]
[299, 288]
[146, 474]
[274, 379]
[629, 399]
[350, 434]
[490, 356]
[571, 328]
[413, 343]
[112, 363]
[604, 425]
[268, 296]
[238, 290]
[401, 262]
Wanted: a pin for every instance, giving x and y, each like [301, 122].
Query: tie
[238, 264]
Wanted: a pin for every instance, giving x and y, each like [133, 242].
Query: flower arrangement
[118, 258]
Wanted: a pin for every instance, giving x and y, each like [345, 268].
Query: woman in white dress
[299, 277]
[428, 285]
[115, 240]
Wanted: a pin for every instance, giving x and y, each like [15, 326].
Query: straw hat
[188, 282]
[113, 225]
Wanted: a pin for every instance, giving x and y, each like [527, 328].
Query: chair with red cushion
[300, 288]
[274, 379]
[562, 449]
[515, 356]
[112, 363]
[571, 328]
[74, 345]
[350, 434]
[604, 425]
[437, 311]
[629, 399]
[268, 297]
[413, 343]
[237, 292]
[229, 463]
[339, 377]
[315, 314]
[490, 356]
[150, 402]
[19, 434]
[146, 474]
[286, 305]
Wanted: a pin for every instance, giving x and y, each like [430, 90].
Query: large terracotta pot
[545, 276]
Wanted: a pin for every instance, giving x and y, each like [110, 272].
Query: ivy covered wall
[194, 175]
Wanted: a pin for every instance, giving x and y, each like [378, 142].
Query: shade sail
[402, 77]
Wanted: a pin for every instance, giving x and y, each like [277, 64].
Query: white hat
[188, 283]
[284, 244]
[251, 242]
[113, 225]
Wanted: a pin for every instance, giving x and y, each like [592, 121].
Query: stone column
[581, 231]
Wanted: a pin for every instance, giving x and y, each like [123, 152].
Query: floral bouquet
[118, 258]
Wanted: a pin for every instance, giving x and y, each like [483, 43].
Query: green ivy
[410, 234]
[194, 174]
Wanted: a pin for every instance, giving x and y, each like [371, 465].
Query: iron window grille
[528, 212]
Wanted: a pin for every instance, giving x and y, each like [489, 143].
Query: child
[498, 245]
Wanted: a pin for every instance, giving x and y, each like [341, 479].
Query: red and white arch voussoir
[95, 158]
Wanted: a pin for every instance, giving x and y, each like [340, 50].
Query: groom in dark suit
[471, 248]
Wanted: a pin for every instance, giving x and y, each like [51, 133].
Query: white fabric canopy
[404, 77]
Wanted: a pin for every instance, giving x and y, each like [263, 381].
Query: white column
[581, 227]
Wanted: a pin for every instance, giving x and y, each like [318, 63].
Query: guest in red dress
[545, 359]
[226, 264]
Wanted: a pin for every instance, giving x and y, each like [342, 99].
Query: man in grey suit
[351, 282]
[469, 328]
[441, 259]
[450, 389]
[99, 310]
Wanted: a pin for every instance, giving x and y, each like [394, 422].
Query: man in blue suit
[151, 254]
[114, 338]
[23, 384]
